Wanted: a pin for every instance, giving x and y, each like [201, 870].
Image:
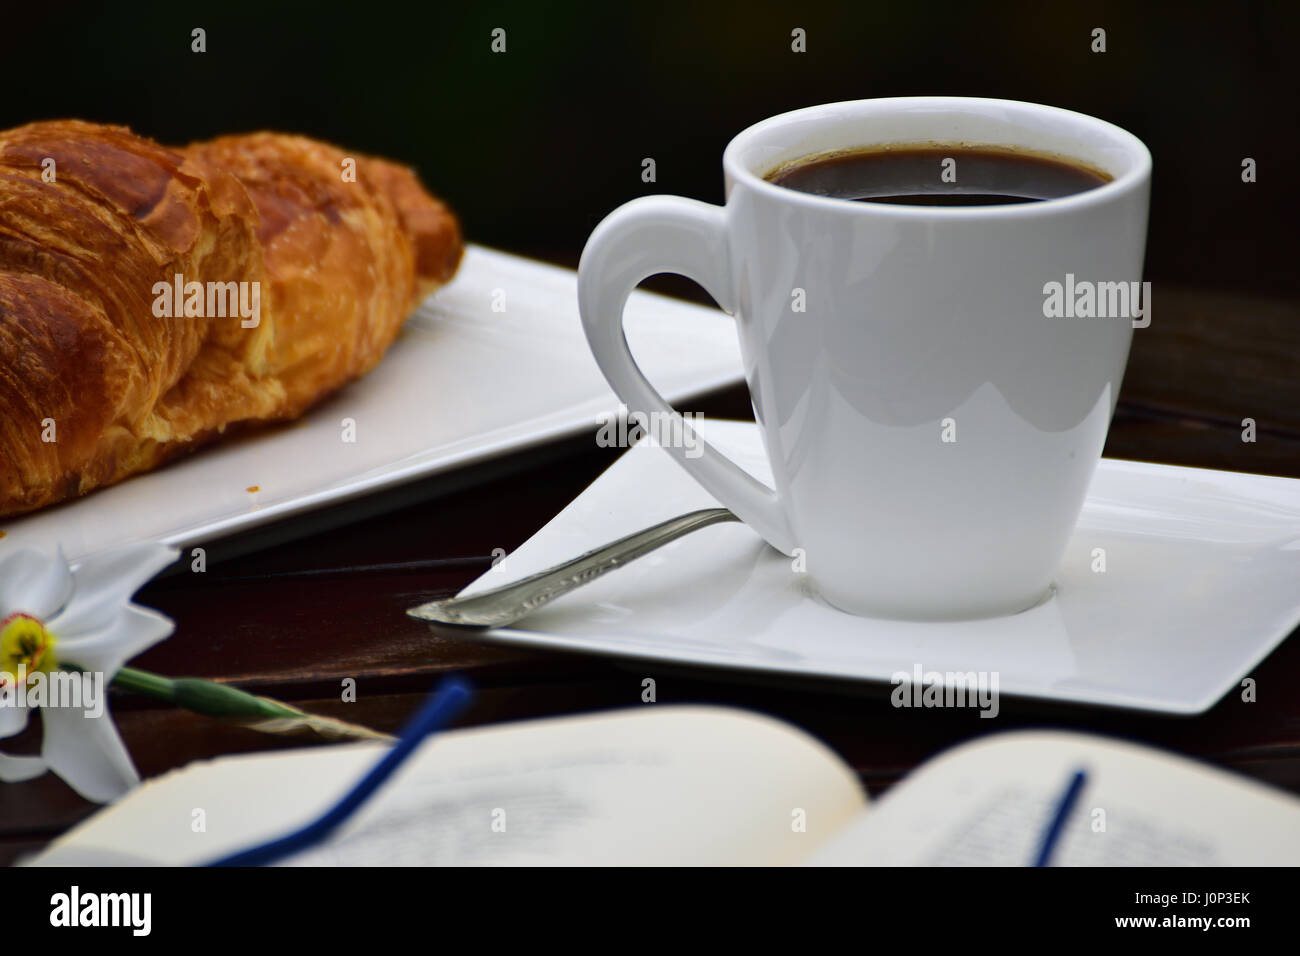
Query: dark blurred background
[532, 147]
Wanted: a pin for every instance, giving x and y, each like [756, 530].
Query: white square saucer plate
[1201, 582]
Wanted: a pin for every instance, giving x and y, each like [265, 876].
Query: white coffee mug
[931, 417]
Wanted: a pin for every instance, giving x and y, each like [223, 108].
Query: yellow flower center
[25, 645]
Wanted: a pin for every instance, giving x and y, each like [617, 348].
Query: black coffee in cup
[938, 175]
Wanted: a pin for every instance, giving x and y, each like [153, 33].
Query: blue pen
[448, 700]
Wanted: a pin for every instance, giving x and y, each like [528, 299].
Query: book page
[988, 803]
[656, 785]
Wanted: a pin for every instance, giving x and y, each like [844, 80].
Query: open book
[698, 785]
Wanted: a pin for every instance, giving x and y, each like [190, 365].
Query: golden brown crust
[338, 260]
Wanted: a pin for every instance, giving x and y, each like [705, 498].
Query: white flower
[51, 616]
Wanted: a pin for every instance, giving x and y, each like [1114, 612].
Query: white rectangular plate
[1200, 584]
[463, 383]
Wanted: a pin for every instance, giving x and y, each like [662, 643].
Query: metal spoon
[510, 602]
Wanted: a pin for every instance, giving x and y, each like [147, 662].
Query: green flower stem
[201, 696]
[142, 682]
[221, 700]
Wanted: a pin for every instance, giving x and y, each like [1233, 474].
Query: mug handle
[642, 238]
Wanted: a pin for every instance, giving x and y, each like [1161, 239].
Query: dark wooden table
[293, 619]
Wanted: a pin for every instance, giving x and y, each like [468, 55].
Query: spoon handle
[506, 604]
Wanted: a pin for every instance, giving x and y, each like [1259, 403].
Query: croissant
[152, 299]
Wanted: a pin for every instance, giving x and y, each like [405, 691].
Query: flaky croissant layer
[152, 298]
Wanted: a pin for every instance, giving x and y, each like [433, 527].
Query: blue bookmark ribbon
[447, 701]
[1052, 834]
